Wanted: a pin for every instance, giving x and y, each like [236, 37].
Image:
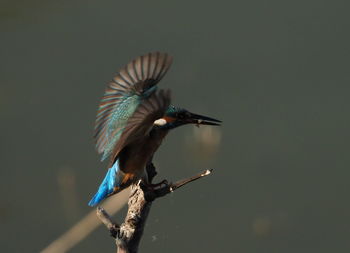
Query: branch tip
[207, 172]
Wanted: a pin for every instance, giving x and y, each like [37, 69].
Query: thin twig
[185, 181]
[168, 188]
[107, 221]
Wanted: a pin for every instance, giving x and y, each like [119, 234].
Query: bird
[132, 120]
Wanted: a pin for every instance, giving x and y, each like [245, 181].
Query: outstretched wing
[141, 122]
[124, 93]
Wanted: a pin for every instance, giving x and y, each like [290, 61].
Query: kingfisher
[132, 120]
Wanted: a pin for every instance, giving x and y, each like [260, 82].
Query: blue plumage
[118, 120]
[112, 180]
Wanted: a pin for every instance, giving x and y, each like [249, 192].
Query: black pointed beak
[203, 120]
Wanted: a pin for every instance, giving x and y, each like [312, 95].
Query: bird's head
[176, 116]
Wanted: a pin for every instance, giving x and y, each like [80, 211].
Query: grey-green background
[277, 74]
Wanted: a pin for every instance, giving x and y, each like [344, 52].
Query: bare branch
[128, 235]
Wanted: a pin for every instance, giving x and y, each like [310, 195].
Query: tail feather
[105, 188]
[114, 182]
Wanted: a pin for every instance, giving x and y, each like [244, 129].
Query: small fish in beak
[202, 120]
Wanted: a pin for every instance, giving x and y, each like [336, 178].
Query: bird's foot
[153, 187]
[151, 191]
[163, 183]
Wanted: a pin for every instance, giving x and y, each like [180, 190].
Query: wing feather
[134, 83]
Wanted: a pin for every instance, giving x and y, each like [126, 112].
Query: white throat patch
[159, 122]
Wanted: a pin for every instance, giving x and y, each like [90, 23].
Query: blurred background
[276, 73]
